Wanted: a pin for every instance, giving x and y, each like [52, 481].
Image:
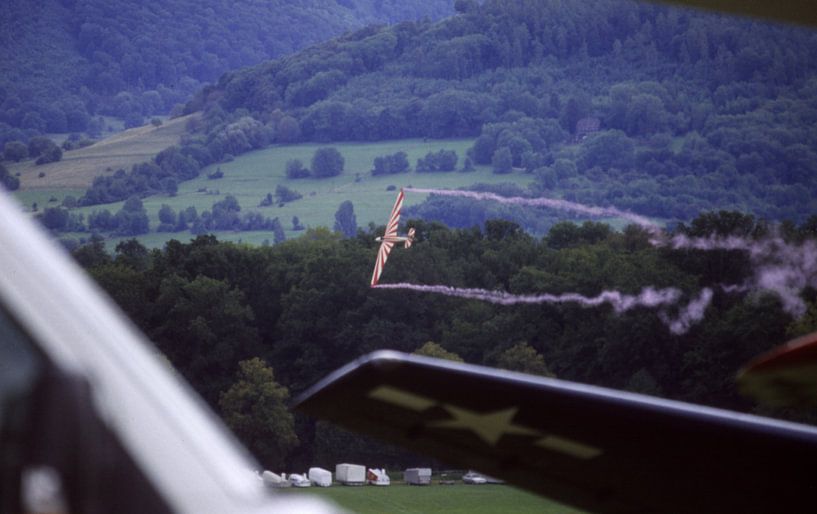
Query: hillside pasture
[79, 167]
[249, 177]
[45, 197]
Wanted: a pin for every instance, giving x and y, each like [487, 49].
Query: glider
[594, 448]
[390, 238]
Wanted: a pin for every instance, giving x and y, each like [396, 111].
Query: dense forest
[223, 313]
[66, 61]
[663, 111]
[657, 110]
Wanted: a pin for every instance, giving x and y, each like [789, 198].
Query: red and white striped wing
[391, 231]
[380, 263]
[394, 219]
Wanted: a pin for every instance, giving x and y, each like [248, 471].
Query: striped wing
[382, 255]
[394, 219]
[391, 231]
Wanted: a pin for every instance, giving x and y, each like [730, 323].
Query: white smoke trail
[620, 302]
[649, 297]
[779, 267]
[682, 241]
[782, 268]
[689, 315]
[553, 203]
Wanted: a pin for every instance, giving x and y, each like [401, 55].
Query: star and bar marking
[489, 426]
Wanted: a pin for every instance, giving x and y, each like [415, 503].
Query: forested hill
[63, 61]
[305, 307]
[696, 110]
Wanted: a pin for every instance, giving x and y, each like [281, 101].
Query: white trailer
[350, 474]
[417, 476]
[320, 477]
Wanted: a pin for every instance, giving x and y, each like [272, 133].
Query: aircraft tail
[409, 239]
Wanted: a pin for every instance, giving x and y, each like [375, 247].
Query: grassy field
[78, 168]
[434, 499]
[249, 177]
[252, 175]
[46, 197]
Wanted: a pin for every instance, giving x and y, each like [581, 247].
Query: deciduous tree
[524, 358]
[255, 408]
[327, 162]
[432, 349]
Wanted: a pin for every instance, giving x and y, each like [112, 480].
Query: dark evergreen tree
[345, 220]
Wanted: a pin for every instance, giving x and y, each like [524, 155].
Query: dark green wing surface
[598, 449]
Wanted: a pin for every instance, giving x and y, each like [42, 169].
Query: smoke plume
[689, 315]
[779, 267]
[553, 203]
[782, 268]
[649, 297]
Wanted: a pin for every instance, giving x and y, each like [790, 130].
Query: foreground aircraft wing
[91, 418]
[597, 449]
[785, 376]
[792, 11]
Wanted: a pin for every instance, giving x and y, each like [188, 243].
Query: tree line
[304, 307]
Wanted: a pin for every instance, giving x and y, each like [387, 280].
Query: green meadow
[435, 499]
[46, 197]
[249, 177]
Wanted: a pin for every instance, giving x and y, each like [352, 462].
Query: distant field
[252, 175]
[46, 197]
[249, 177]
[78, 168]
[434, 499]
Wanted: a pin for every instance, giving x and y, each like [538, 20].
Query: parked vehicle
[350, 474]
[320, 477]
[474, 478]
[377, 476]
[417, 476]
[299, 480]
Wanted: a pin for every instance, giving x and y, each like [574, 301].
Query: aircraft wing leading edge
[597, 449]
[98, 418]
[791, 11]
[394, 217]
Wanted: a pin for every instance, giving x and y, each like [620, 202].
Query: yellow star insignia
[489, 426]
